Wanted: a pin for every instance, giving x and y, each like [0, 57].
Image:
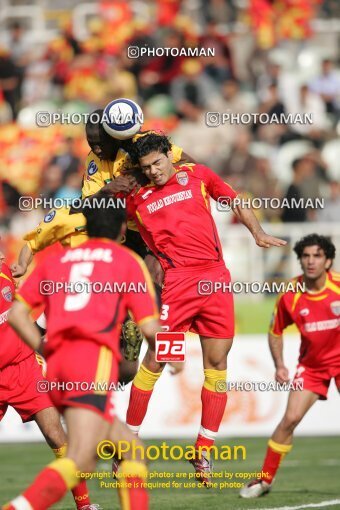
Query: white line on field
[331, 502]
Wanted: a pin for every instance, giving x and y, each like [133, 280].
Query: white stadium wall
[175, 407]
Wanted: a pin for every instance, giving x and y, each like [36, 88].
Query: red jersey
[175, 220]
[98, 283]
[12, 348]
[317, 316]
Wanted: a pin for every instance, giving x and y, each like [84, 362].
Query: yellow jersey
[58, 225]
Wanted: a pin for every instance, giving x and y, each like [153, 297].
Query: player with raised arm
[173, 215]
[21, 374]
[316, 314]
[83, 346]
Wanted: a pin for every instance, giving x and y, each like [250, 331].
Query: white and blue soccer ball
[122, 118]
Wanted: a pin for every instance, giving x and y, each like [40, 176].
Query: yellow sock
[145, 379]
[60, 452]
[215, 380]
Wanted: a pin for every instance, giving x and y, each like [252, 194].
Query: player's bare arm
[249, 220]
[19, 319]
[25, 258]
[154, 268]
[276, 350]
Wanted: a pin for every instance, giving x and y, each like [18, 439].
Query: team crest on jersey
[335, 307]
[49, 217]
[7, 294]
[182, 178]
[304, 312]
[92, 168]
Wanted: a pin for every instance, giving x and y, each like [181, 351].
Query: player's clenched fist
[18, 270]
[282, 375]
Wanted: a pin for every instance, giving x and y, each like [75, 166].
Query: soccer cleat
[93, 506]
[203, 467]
[132, 340]
[255, 489]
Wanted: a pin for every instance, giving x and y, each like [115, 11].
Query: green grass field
[308, 476]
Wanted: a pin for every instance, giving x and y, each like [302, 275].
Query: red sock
[213, 407]
[138, 405]
[136, 498]
[48, 488]
[81, 495]
[274, 455]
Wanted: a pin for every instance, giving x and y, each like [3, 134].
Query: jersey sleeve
[281, 317]
[32, 291]
[135, 218]
[142, 305]
[55, 226]
[176, 153]
[93, 179]
[45, 234]
[215, 186]
[7, 291]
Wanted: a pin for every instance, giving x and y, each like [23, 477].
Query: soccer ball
[122, 118]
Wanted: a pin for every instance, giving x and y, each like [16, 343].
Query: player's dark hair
[105, 216]
[149, 143]
[324, 243]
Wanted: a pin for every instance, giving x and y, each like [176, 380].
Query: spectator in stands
[306, 185]
[240, 163]
[219, 67]
[331, 210]
[307, 102]
[327, 85]
[160, 72]
[273, 106]
[193, 91]
[71, 188]
[9, 81]
[52, 180]
[67, 160]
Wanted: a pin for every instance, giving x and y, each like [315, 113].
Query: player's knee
[291, 420]
[216, 364]
[86, 463]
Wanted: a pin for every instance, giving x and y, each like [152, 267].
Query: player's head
[105, 217]
[102, 144]
[316, 254]
[152, 153]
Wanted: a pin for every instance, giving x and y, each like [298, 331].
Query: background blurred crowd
[270, 57]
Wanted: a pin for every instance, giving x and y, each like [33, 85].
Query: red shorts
[317, 380]
[19, 388]
[191, 301]
[82, 373]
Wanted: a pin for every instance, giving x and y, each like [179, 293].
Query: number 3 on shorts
[164, 312]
